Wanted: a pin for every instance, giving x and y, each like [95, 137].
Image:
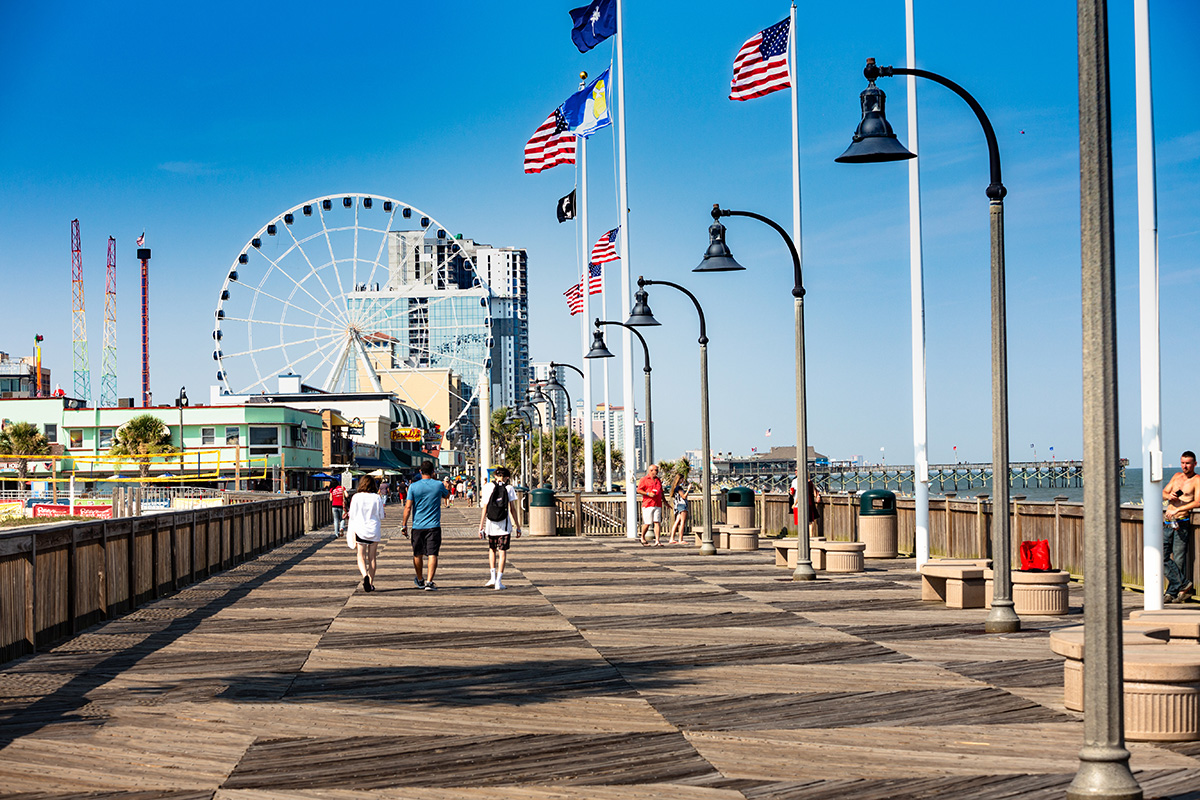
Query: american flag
[574, 297]
[550, 145]
[141, 240]
[594, 284]
[761, 66]
[605, 249]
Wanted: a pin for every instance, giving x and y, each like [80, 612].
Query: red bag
[1035, 556]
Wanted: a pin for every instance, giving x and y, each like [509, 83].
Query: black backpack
[497, 504]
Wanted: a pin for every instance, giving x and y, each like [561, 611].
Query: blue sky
[200, 128]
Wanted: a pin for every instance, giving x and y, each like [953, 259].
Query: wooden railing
[57, 579]
[958, 527]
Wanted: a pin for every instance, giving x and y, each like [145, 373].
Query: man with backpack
[498, 523]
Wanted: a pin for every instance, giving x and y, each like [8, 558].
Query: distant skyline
[200, 128]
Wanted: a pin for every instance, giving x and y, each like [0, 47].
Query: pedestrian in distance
[337, 498]
[424, 508]
[498, 523]
[384, 488]
[679, 501]
[1182, 494]
[650, 489]
[364, 528]
[449, 492]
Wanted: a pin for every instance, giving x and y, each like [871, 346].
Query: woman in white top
[498, 523]
[364, 528]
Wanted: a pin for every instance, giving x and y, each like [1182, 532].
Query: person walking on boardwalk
[679, 500]
[650, 489]
[364, 528]
[1182, 494]
[337, 499]
[498, 523]
[424, 508]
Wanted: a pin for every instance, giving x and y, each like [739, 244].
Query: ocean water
[1131, 490]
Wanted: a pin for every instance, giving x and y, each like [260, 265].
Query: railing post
[31, 595]
[579, 513]
[73, 580]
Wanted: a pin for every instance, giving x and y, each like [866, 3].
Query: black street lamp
[526, 408]
[553, 434]
[555, 385]
[718, 258]
[642, 316]
[875, 142]
[598, 337]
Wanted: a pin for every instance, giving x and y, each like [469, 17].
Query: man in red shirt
[337, 497]
[650, 489]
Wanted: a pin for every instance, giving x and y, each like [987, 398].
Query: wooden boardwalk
[605, 670]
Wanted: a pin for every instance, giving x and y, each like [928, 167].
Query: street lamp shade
[874, 141]
[554, 386]
[599, 349]
[717, 258]
[641, 316]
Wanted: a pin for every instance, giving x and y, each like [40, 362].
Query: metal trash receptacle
[877, 523]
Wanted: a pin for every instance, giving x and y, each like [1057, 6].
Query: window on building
[51, 433]
[232, 434]
[75, 435]
[264, 440]
[208, 436]
[106, 436]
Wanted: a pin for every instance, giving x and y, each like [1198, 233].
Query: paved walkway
[606, 670]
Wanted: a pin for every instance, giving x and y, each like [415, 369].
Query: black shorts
[500, 542]
[361, 540]
[426, 541]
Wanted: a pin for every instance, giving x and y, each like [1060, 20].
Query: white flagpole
[586, 323]
[626, 286]
[917, 290]
[1148, 321]
[608, 436]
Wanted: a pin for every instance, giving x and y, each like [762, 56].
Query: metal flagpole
[917, 282]
[626, 284]
[608, 416]
[1149, 333]
[585, 339]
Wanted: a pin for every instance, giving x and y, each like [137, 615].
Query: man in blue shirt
[424, 507]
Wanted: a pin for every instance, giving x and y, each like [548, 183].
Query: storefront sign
[55, 510]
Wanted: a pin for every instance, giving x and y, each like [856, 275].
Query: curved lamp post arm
[996, 190]
[798, 289]
[568, 366]
[636, 332]
[703, 329]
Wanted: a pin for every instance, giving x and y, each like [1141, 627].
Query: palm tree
[23, 439]
[618, 461]
[146, 435]
[506, 439]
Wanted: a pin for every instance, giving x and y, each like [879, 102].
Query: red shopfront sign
[56, 510]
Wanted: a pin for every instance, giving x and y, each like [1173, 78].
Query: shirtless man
[1182, 494]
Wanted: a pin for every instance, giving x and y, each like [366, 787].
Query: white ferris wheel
[343, 288]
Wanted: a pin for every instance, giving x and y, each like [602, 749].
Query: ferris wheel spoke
[354, 253]
[281, 323]
[316, 273]
[259, 291]
[288, 367]
[333, 260]
[268, 348]
[277, 266]
[383, 241]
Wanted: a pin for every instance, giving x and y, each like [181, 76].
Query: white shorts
[651, 514]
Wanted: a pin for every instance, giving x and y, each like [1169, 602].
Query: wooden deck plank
[606, 671]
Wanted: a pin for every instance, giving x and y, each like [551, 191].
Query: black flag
[566, 207]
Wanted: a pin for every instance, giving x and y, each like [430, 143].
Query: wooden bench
[958, 584]
[1034, 593]
[1161, 683]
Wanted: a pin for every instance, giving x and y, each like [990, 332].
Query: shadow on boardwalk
[606, 670]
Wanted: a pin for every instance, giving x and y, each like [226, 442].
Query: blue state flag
[586, 111]
[593, 23]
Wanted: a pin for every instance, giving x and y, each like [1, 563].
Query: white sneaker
[491, 582]
[499, 585]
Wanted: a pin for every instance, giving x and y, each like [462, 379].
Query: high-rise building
[617, 434]
[503, 269]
